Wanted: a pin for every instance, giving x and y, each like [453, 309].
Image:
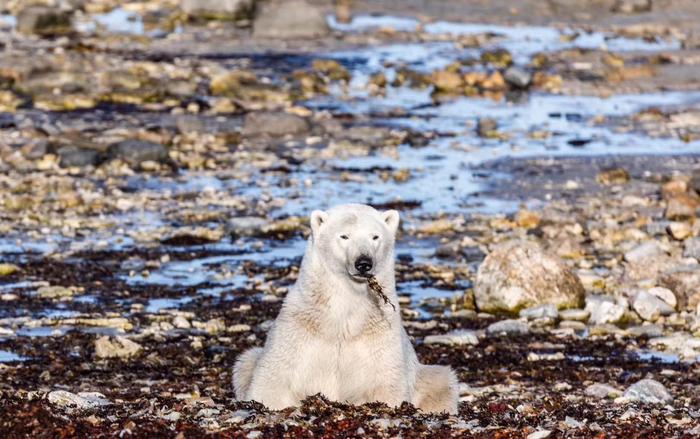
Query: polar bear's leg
[243, 372]
[436, 389]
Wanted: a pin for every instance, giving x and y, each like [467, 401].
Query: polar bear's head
[354, 240]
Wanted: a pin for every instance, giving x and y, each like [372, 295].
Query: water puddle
[154, 306]
[9, 357]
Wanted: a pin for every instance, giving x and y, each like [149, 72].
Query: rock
[290, 19]
[519, 274]
[134, 151]
[527, 219]
[44, 21]
[54, 292]
[70, 156]
[645, 251]
[215, 326]
[487, 128]
[681, 207]
[517, 77]
[447, 81]
[664, 294]
[646, 330]
[683, 344]
[579, 315]
[275, 124]
[606, 309]
[602, 391]
[8, 269]
[679, 230]
[500, 58]
[650, 307]
[81, 401]
[540, 312]
[454, 338]
[691, 248]
[219, 9]
[181, 322]
[246, 225]
[508, 327]
[685, 284]
[115, 347]
[648, 391]
[450, 250]
[539, 434]
[631, 6]
[613, 176]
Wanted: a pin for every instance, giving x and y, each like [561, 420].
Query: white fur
[336, 337]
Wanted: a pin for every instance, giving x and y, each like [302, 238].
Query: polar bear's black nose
[363, 264]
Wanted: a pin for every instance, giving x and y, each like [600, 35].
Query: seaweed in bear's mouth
[378, 290]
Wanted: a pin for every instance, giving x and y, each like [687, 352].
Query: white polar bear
[337, 337]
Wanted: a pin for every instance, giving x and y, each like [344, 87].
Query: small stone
[454, 338]
[81, 401]
[648, 391]
[664, 294]
[246, 225]
[70, 156]
[580, 315]
[54, 292]
[44, 21]
[685, 284]
[539, 434]
[534, 356]
[527, 219]
[487, 127]
[215, 326]
[181, 322]
[290, 19]
[605, 309]
[681, 207]
[644, 252]
[115, 347]
[447, 81]
[680, 230]
[134, 151]
[631, 6]
[650, 307]
[8, 269]
[219, 9]
[517, 77]
[602, 391]
[540, 312]
[274, 124]
[572, 324]
[691, 248]
[647, 330]
[508, 327]
[613, 176]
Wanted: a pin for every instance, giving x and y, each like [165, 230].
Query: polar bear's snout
[364, 264]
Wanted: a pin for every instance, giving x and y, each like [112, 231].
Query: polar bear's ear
[391, 218]
[318, 217]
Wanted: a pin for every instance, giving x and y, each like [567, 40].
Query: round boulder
[519, 274]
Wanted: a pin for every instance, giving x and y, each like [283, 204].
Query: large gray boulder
[290, 19]
[519, 274]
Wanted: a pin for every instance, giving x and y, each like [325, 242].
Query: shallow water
[442, 173]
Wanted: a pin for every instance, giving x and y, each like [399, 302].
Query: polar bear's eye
[344, 237]
[375, 237]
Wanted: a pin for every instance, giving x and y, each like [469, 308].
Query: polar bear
[336, 336]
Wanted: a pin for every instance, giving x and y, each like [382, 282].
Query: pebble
[219, 9]
[648, 250]
[602, 391]
[650, 307]
[115, 347]
[691, 248]
[134, 151]
[290, 19]
[517, 77]
[181, 322]
[54, 292]
[648, 391]
[508, 327]
[539, 434]
[664, 294]
[680, 230]
[8, 269]
[455, 338]
[606, 309]
[580, 315]
[80, 401]
[540, 312]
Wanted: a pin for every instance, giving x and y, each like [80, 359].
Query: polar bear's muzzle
[363, 265]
